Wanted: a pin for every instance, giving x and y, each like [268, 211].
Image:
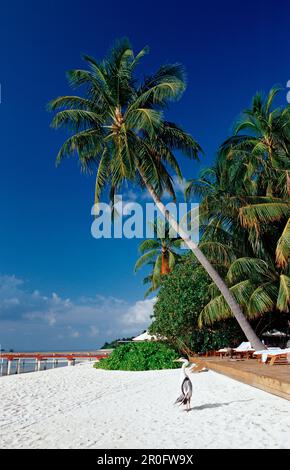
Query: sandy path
[80, 407]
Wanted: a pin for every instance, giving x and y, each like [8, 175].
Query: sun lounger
[222, 352]
[244, 350]
[273, 356]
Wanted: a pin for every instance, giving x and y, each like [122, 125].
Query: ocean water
[28, 365]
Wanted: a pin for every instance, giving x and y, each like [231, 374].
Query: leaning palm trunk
[119, 116]
[234, 306]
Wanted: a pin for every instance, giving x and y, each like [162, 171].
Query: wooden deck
[275, 380]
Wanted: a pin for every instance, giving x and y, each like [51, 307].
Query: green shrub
[140, 356]
[182, 296]
[115, 343]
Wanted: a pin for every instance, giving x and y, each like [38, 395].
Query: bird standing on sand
[186, 385]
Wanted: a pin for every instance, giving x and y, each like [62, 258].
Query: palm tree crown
[260, 146]
[161, 253]
[119, 129]
[245, 212]
[118, 126]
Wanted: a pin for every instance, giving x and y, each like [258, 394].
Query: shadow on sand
[215, 405]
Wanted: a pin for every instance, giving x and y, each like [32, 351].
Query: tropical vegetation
[148, 355]
[118, 130]
[115, 343]
[182, 296]
[245, 212]
[160, 253]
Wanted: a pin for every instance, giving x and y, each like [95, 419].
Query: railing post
[37, 364]
[9, 364]
[70, 361]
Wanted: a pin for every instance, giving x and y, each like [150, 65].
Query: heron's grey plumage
[186, 389]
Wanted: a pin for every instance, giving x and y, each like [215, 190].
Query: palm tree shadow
[215, 405]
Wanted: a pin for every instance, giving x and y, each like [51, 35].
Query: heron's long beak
[177, 360]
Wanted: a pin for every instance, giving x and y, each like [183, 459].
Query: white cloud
[56, 322]
[139, 313]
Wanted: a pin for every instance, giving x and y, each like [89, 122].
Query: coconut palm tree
[232, 211]
[246, 209]
[119, 128]
[220, 201]
[230, 219]
[261, 142]
[162, 253]
[259, 286]
[260, 163]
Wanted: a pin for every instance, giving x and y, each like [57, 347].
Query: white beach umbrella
[145, 337]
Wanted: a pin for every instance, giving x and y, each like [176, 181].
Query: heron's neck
[184, 369]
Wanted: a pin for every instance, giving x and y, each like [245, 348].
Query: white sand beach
[81, 407]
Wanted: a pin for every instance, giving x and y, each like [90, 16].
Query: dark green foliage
[183, 295]
[244, 213]
[140, 356]
[273, 321]
[115, 343]
[224, 334]
[161, 254]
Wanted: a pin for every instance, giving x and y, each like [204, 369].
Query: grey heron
[186, 385]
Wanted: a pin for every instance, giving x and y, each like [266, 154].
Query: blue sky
[59, 287]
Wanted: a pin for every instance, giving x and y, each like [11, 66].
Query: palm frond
[102, 175]
[217, 253]
[262, 300]
[73, 102]
[177, 139]
[157, 270]
[273, 92]
[283, 299]
[171, 259]
[146, 258]
[149, 291]
[217, 309]
[76, 119]
[283, 247]
[86, 143]
[252, 214]
[144, 119]
[247, 267]
[149, 244]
